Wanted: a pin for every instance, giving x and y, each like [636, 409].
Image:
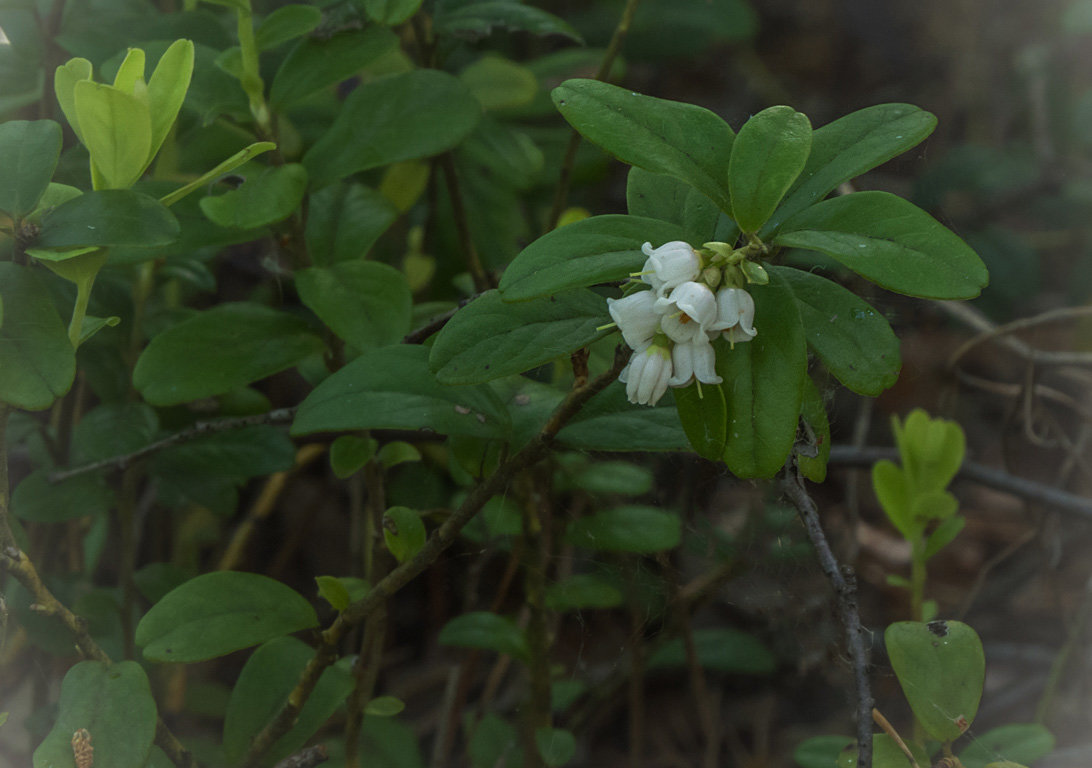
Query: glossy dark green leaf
[344, 221]
[854, 341]
[556, 746]
[108, 217]
[40, 501]
[767, 156]
[941, 668]
[476, 20]
[723, 650]
[28, 154]
[891, 242]
[704, 417]
[490, 338]
[219, 350]
[286, 23]
[315, 63]
[486, 631]
[812, 457]
[581, 592]
[627, 529]
[265, 198]
[220, 612]
[668, 137]
[263, 687]
[609, 422]
[114, 704]
[364, 302]
[37, 361]
[393, 388]
[403, 532]
[848, 147]
[401, 117]
[1021, 743]
[391, 12]
[655, 196]
[763, 383]
[600, 249]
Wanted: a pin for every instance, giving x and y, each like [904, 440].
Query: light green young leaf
[384, 706]
[64, 85]
[130, 75]
[117, 131]
[767, 156]
[944, 534]
[667, 137]
[167, 90]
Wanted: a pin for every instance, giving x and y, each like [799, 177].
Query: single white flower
[646, 375]
[635, 318]
[694, 360]
[688, 312]
[669, 265]
[735, 315]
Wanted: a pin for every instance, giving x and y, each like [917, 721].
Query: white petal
[635, 318]
[697, 301]
[682, 359]
[704, 363]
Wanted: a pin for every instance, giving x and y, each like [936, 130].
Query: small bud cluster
[671, 327]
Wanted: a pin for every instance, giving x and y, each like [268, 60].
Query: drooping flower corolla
[669, 265]
[635, 317]
[735, 315]
[646, 374]
[693, 360]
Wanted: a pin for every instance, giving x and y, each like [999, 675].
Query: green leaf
[704, 417]
[943, 535]
[345, 220]
[494, 744]
[106, 218]
[600, 249]
[848, 147]
[40, 501]
[400, 117]
[813, 415]
[476, 20]
[404, 532]
[820, 751]
[669, 137]
[889, 483]
[392, 388]
[397, 452]
[117, 131]
[722, 650]
[384, 706]
[263, 199]
[655, 196]
[286, 23]
[1020, 743]
[340, 592]
[486, 631]
[239, 158]
[886, 753]
[767, 156]
[621, 477]
[581, 592]
[763, 384]
[365, 303]
[264, 685]
[490, 338]
[349, 453]
[941, 668]
[167, 90]
[499, 83]
[932, 450]
[854, 341]
[889, 241]
[219, 350]
[314, 64]
[28, 155]
[114, 704]
[217, 613]
[391, 12]
[609, 422]
[556, 746]
[37, 361]
[627, 529]
[111, 429]
[64, 85]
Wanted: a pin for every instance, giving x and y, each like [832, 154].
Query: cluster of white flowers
[671, 327]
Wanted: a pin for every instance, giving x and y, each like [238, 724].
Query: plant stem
[535, 549]
[482, 281]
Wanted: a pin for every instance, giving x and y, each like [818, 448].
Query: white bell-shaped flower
[635, 317]
[735, 315]
[646, 375]
[694, 360]
[669, 265]
[688, 312]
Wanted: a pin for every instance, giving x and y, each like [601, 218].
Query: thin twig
[979, 473]
[438, 541]
[844, 582]
[482, 279]
[886, 727]
[308, 758]
[565, 178]
[1000, 333]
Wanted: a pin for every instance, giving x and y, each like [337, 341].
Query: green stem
[79, 311]
[917, 579]
[251, 79]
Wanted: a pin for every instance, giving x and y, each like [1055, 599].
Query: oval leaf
[490, 338]
[28, 154]
[556, 746]
[315, 63]
[116, 128]
[393, 388]
[401, 117]
[941, 668]
[286, 23]
[114, 704]
[854, 341]
[36, 499]
[656, 196]
[265, 198]
[108, 217]
[217, 613]
[365, 303]
[581, 592]
[627, 529]
[601, 249]
[1021, 743]
[219, 350]
[891, 242]
[486, 631]
[704, 417]
[668, 137]
[767, 156]
[391, 12]
[723, 650]
[403, 532]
